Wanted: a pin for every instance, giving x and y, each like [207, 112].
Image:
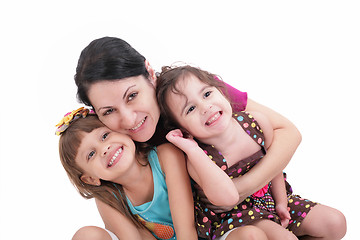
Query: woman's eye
[207, 94]
[91, 154]
[108, 112]
[132, 96]
[190, 109]
[104, 136]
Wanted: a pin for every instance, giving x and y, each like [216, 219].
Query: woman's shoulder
[237, 98]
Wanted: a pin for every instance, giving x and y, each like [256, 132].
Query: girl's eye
[207, 94]
[91, 154]
[132, 96]
[104, 136]
[192, 108]
[108, 112]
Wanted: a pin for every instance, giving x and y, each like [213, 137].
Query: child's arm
[181, 202]
[278, 192]
[120, 225]
[216, 184]
[286, 139]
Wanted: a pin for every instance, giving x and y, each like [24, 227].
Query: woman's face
[127, 106]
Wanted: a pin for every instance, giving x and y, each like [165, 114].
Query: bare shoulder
[169, 154]
[168, 149]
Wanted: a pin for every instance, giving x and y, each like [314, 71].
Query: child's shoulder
[168, 154]
[167, 148]
[263, 124]
[251, 115]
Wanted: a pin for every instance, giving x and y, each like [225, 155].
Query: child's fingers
[174, 133]
[284, 215]
[285, 222]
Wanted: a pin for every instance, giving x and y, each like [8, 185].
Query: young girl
[149, 187]
[191, 100]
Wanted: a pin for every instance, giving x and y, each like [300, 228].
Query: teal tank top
[155, 215]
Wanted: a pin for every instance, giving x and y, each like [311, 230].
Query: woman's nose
[127, 118]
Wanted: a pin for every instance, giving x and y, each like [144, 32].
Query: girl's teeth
[115, 156]
[137, 126]
[213, 119]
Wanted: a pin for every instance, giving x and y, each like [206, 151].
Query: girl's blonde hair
[108, 192]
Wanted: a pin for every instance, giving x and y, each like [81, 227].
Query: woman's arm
[278, 190]
[181, 202]
[216, 184]
[286, 139]
[120, 225]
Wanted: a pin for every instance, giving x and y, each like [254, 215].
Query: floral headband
[71, 117]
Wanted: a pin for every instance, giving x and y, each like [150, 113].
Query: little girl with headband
[195, 107]
[149, 186]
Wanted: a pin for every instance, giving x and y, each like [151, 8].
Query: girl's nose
[105, 150]
[206, 108]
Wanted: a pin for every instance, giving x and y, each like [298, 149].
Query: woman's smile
[138, 125]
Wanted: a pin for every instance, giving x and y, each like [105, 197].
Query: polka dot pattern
[211, 225]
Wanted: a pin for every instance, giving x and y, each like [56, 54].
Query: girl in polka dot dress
[191, 100]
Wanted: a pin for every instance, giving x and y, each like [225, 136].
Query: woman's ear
[90, 180]
[151, 72]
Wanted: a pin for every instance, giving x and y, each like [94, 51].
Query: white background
[299, 58]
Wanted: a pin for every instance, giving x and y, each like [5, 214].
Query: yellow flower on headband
[70, 117]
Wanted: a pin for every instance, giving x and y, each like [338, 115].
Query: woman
[119, 84]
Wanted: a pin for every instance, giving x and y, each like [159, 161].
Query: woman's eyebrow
[106, 107]
[127, 90]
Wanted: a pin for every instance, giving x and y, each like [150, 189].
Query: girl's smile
[116, 157]
[214, 118]
[104, 154]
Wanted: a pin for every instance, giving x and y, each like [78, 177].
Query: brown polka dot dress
[260, 205]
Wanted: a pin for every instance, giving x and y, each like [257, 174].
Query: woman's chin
[142, 136]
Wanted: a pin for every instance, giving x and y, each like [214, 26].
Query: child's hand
[283, 213]
[177, 138]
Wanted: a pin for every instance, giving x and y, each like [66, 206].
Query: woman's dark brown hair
[107, 59]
